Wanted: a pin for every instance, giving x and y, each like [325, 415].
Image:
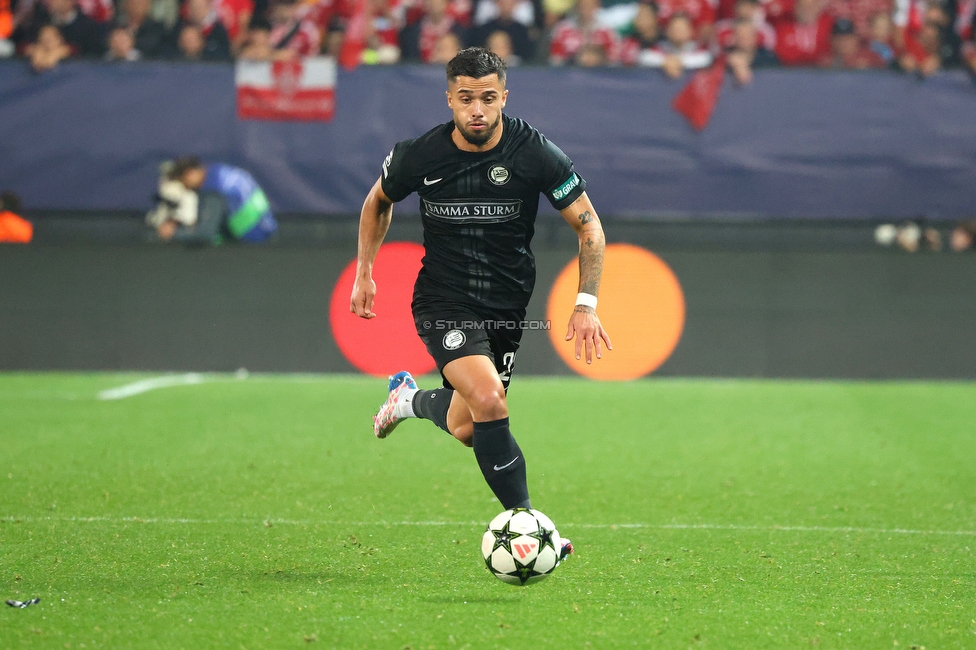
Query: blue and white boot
[398, 405]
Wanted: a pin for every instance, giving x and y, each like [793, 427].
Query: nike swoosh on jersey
[436, 180]
[498, 469]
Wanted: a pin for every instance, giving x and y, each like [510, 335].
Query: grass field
[262, 513]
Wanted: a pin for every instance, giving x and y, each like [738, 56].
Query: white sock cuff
[404, 406]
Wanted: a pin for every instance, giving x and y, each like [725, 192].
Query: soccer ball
[521, 546]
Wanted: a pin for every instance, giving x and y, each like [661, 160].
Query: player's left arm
[584, 323]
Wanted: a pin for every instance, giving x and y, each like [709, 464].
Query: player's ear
[504, 97]
[450, 100]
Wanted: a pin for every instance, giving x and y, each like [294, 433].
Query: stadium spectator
[942, 19]
[805, 40]
[500, 44]
[923, 48]
[101, 11]
[166, 13]
[522, 42]
[927, 31]
[777, 12]
[745, 53]
[208, 204]
[700, 13]
[881, 40]
[860, 13]
[190, 43]
[121, 46]
[14, 229]
[446, 48]
[419, 40]
[48, 50]
[557, 10]
[677, 51]
[83, 35]
[235, 16]
[642, 34]
[968, 53]
[577, 38]
[257, 43]
[382, 34]
[292, 33]
[202, 36]
[530, 13]
[749, 10]
[333, 18]
[846, 51]
[149, 36]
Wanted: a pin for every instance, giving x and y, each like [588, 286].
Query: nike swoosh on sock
[498, 469]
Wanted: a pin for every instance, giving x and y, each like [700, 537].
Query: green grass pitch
[262, 513]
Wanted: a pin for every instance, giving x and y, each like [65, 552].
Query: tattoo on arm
[585, 218]
[591, 264]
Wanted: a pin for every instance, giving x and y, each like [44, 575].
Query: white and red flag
[298, 90]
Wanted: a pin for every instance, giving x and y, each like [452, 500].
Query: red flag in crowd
[354, 41]
[697, 99]
[299, 89]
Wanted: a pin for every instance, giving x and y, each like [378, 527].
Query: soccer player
[479, 177]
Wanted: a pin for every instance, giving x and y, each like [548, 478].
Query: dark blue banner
[793, 144]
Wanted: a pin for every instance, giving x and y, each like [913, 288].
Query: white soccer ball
[521, 546]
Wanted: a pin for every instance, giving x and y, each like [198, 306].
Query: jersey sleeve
[560, 183]
[397, 180]
[235, 184]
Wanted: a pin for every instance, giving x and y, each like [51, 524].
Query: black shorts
[451, 331]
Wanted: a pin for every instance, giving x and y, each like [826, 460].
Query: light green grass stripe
[301, 522]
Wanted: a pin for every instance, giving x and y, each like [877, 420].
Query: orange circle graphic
[641, 307]
[388, 343]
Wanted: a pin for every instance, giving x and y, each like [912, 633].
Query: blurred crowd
[918, 36]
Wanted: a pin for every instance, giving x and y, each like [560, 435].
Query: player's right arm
[374, 221]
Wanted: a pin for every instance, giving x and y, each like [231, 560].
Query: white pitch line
[145, 385]
[299, 522]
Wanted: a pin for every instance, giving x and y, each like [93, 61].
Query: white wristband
[586, 299]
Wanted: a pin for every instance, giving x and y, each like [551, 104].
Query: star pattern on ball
[545, 538]
[503, 538]
[524, 572]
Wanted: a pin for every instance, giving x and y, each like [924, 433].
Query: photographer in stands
[207, 204]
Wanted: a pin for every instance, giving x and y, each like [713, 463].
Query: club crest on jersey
[499, 175]
[453, 340]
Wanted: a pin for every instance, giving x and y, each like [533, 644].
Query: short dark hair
[182, 165]
[475, 62]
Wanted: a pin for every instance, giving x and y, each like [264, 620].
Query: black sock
[433, 405]
[501, 462]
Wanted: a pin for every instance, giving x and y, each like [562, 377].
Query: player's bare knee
[488, 404]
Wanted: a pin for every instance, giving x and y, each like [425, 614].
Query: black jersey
[479, 209]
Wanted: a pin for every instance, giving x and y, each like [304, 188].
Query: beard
[478, 139]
